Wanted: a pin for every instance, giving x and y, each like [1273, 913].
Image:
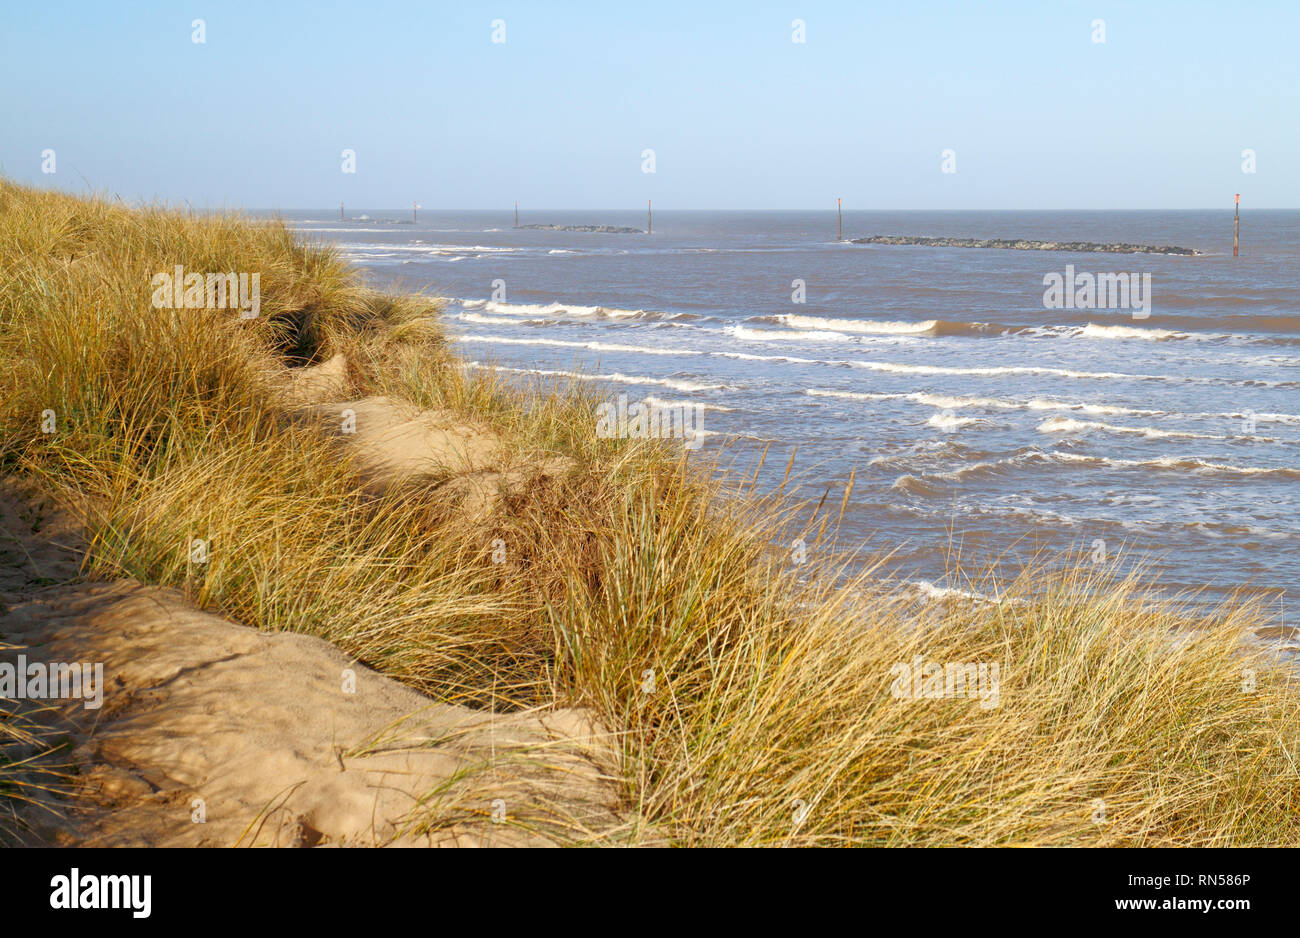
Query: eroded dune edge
[346, 591]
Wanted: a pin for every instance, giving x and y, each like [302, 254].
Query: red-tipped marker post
[1236, 224]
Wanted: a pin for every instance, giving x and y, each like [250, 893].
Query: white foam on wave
[944, 401]
[948, 401]
[1098, 409]
[677, 384]
[898, 368]
[748, 357]
[1176, 462]
[1264, 418]
[918, 482]
[784, 335]
[547, 309]
[854, 395]
[495, 320]
[1070, 425]
[953, 401]
[1094, 331]
[908, 482]
[951, 421]
[472, 249]
[660, 402]
[932, 327]
[863, 326]
[592, 345]
[931, 591]
[428, 250]
[530, 309]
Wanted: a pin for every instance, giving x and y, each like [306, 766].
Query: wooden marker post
[516, 214]
[649, 219]
[340, 211]
[1236, 224]
[839, 221]
[415, 208]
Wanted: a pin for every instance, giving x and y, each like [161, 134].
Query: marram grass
[752, 703]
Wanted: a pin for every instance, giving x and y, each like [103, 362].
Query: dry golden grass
[29, 778]
[752, 701]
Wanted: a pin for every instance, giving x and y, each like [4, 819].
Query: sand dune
[399, 444]
[280, 739]
[265, 733]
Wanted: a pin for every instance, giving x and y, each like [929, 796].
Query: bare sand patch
[398, 444]
[211, 733]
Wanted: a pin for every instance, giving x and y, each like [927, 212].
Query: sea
[985, 420]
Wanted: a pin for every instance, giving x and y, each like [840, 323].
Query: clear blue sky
[739, 116]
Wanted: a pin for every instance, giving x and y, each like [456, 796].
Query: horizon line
[831, 209]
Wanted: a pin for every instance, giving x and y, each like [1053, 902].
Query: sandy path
[211, 733]
[398, 444]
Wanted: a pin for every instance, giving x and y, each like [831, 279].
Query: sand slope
[262, 729]
[212, 733]
[398, 444]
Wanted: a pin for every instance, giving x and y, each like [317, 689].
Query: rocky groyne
[1018, 244]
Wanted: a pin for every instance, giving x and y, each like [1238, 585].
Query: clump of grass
[30, 781]
[752, 703]
[1115, 722]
